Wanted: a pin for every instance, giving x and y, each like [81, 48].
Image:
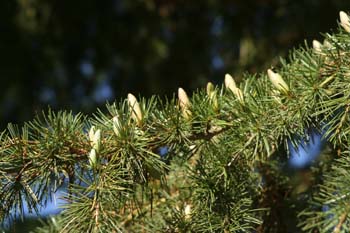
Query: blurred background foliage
[79, 54]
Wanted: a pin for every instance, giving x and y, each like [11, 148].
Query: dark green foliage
[329, 207]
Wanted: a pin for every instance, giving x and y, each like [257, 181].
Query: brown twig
[341, 222]
[208, 135]
[343, 119]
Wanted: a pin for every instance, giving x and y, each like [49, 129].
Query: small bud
[95, 138]
[91, 133]
[327, 45]
[135, 109]
[344, 21]
[229, 82]
[231, 85]
[116, 125]
[184, 103]
[210, 88]
[187, 211]
[92, 157]
[212, 95]
[278, 81]
[96, 142]
[317, 46]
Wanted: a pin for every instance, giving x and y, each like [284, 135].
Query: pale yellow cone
[184, 103]
[317, 46]
[210, 88]
[92, 157]
[91, 134]
[95, 138]
[327, 45]
[116, 125]
[277, 81]
[344, 21]
[135, 109]
[212, 95]
[231, 85]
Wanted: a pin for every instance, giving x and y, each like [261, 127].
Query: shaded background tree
[78, 54]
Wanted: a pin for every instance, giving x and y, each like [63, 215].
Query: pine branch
[112, 160]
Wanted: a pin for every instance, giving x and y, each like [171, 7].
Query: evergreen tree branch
[113, 164]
